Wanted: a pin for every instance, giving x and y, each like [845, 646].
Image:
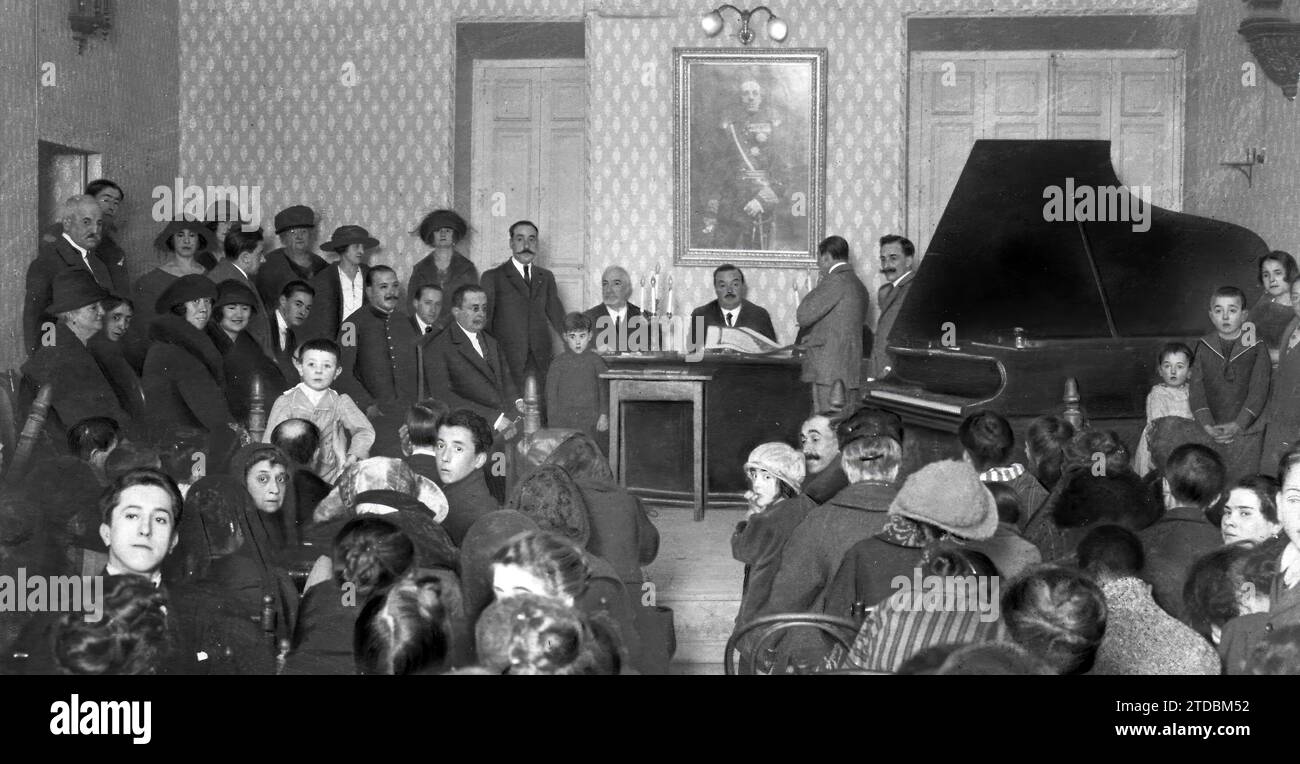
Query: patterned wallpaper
[263, 101]
[1227, 116]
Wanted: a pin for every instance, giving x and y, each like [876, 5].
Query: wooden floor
[695, 575]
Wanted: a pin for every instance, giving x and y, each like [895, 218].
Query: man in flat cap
[294, 261]
[83, 229]
[62, 359]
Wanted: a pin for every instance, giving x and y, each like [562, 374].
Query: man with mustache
[523, 306]
[609, 319]
[83, 230]
[379, 361]
[731, 308]
[821, 458]
[896, 257]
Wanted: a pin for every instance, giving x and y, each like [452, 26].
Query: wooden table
[661, 384]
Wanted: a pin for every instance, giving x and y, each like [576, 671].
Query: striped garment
[909, 621]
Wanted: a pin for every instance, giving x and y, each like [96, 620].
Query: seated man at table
[731, 308]
[610, 318]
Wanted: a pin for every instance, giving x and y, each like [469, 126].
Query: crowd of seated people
[368, 529]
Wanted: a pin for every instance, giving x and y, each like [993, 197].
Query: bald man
[614, 310]
[83, 230]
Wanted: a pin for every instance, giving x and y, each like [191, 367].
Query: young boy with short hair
[1231, 387]
[1194, 477]
[345, 434]
[576, 397]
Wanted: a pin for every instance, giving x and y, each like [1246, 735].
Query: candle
[669, 308]
[654, 293]
[645, 296]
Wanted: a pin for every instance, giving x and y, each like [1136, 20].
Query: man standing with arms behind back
[522, 299]
[831, 317]
[896, 257]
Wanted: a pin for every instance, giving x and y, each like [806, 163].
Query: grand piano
[1007, 304]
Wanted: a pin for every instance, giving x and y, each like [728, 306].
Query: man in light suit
[244, 257]
[830, 317]
[897, 255]
[522, 299]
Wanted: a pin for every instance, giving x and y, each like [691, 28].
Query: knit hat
[781, 460]
[74, 289]
[184, 289]
[949, 496]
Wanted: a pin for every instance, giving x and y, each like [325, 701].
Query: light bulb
[712, 23]
[777, 29]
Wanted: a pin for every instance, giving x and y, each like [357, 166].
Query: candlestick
[654, 292]
[669, 309]
[645, 296]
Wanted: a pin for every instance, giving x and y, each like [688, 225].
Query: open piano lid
[1095, 299]
[996, 262]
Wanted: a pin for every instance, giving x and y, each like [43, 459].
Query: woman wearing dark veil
[233, 546]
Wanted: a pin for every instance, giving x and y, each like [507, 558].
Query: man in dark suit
[464, 367]
[109, 196]
[340, 288]
[896, 257]
[82, 232]
[291, 314]
[299, 439]
[422, 436]
[379, 360]
[244, 258]
[610, 318]
[81, 389]
[831, 315]
[731, 308]
[522, 299]
[427, 316]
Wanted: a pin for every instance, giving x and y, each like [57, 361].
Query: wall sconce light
[89, 18]
[713, 23]
[1275, 42]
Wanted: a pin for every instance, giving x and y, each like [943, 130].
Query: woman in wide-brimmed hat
[236, 306]
[443, 267]
[183, 372]
[183, 245]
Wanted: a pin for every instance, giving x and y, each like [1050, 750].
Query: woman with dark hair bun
[403, 630]
[370, 554]
[1044, 451]
[534, 634]
[1223, 585]
[130, 638]
[1058, 615]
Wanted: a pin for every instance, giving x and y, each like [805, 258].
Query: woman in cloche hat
[444, 267]
[184, 247]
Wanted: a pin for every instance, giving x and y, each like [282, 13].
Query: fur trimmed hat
[949, 496]
[781, 460]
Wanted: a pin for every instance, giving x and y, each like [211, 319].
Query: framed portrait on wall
[750, 156]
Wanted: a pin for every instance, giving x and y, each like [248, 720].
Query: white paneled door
[1132, 98]
[530, 163]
